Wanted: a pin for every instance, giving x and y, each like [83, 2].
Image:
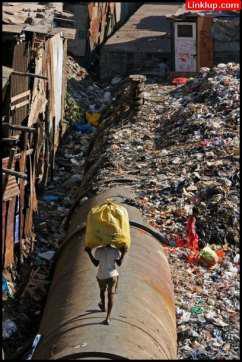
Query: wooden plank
[21, 95]
[23, 128]
[22, 166]
[12, 28]
[64, 85]
[20, 84]
[10, 162]
[3, 227]
[10, 211]
[14, 173]
[9, 240]
[29, 212]
[204, 42]
[18, 155]
[68, 33]
[30, 75]
[19, 105]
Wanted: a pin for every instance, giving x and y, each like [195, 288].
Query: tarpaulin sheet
[55, 71]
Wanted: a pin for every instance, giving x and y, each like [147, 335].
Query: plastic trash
[108, 223]
[6, 289]
[50, 198]
[197, 310]
[180, 80]
[115, 80]
[208, 257]
[29, 355]
[85, 128]
[8, 328]
[93, 118]
[236, 258]
[47, 255]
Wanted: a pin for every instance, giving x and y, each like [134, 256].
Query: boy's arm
[93, 260]
[119, 261]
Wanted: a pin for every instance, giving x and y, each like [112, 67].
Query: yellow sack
[93, 118]
[108, 223]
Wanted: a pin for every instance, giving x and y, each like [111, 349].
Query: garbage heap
[198, 143]
[180, 153]
[84, 91]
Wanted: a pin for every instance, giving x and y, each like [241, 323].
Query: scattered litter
[50, 198]
[84, 128]
[8, 328]
[6, 289]
[208, 257]
[48, 255]
[36, 341]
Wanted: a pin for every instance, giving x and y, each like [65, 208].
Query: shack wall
[226, 38]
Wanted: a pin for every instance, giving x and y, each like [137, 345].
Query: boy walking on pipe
[106, 257]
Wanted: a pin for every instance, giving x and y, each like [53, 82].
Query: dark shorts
[109, 283]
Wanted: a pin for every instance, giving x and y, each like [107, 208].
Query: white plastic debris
[34, 345]
[8, 328]
[47, 255]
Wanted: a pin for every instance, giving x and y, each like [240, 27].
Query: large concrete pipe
[143, 318]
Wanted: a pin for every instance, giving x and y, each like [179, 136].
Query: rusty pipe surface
[143, 317]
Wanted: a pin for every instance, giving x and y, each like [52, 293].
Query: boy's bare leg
[102, 303]
[110, 306]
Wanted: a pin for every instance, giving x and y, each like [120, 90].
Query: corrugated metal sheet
[28, 102]
[19, 83]
[39, 101]
[55, 71]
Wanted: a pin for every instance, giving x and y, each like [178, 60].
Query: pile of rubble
[86, 92]
[198, 143]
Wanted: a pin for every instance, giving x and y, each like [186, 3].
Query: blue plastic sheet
[6, 290]
[50, 198]
[83, 128]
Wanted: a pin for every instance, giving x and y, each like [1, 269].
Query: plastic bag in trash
[6, 289]
[108, 223]
[36, 341]
[208, 257]
[93, 118]
[85, 128]
[8, 328]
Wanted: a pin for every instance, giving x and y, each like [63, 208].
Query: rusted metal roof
[33, 17]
